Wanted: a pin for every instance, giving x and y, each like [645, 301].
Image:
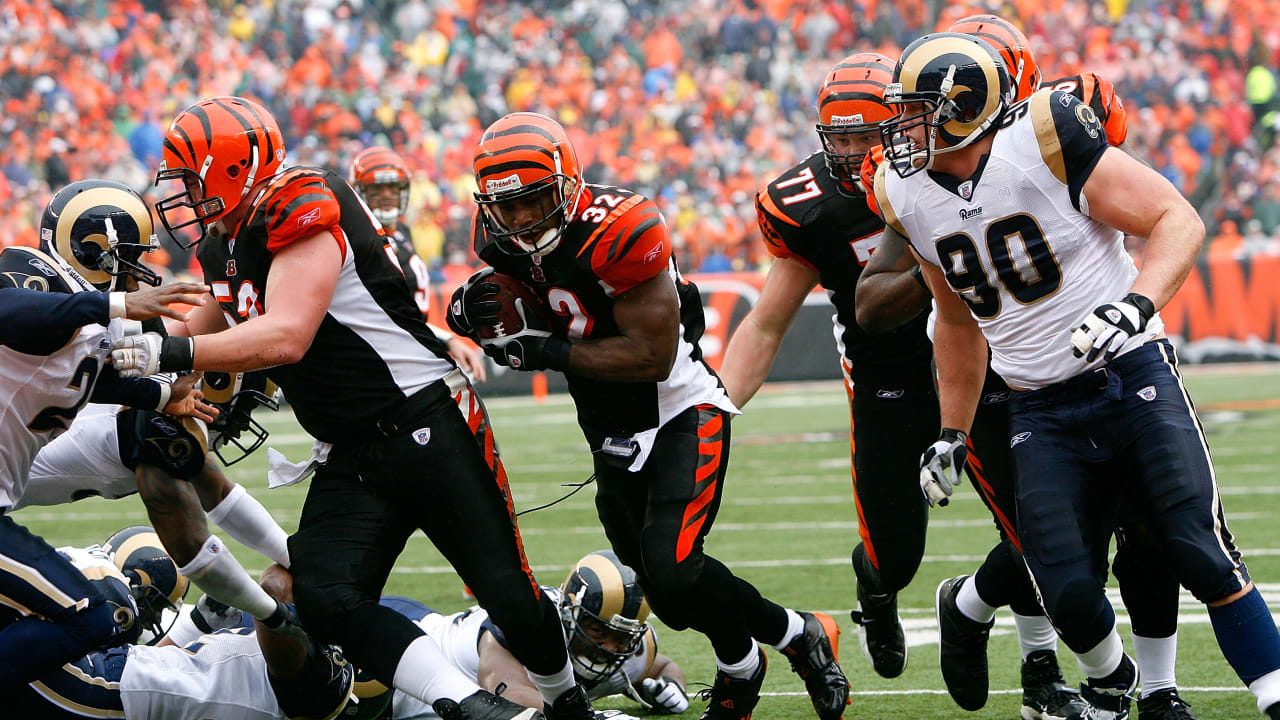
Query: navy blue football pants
[1124, 432]
[53, 614]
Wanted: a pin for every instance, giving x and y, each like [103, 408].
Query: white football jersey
[82, 462]
[1016, 241]
[222, 675]
[458, 636]
[40, 394]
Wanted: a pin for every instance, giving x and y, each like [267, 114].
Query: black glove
[468, 307]
[530, 350]
[1106, 329]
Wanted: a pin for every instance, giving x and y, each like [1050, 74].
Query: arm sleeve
[1071, 138]
[303, 206]
[40, 323]
[111, 389]
[772, 225]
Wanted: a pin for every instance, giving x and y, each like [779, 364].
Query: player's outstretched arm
[891, 288]
[755, 342]
[498, 666]
[300, 286]
[1134, 199]
[648, 319]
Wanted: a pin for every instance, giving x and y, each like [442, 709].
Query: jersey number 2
[565, 304]
[53, 418]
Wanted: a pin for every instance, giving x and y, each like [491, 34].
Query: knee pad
[1081, 612]
[177, 446]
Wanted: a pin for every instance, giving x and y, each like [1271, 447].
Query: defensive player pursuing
[111, 451]
[1048, 200]
[624, 327]
[1149, 588]
[56, 328]
[381, 177]
[818, 227]
[305, 288]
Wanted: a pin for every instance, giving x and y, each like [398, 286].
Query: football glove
[1110, 326]
[664, 695]
[210, 616]
[468, 308]
[529, 350]
[867, 175]
[942, 466]
[149, 353]
[285, 620]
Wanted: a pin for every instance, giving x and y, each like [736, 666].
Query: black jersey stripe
[297, 203]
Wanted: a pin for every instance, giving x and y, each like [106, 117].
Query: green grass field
[788, 524]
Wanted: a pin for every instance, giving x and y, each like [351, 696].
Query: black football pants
[440, 473]
[657, 519]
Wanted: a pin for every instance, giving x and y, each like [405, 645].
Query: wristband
[442, 335]
[166, 391]
[557, 354]
[115, 305]
[177, 353]
[1143, 303]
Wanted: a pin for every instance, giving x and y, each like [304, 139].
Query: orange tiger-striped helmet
[375, 168]
[851, 103]
[219, 148]
[529, 182]
[1012, 47]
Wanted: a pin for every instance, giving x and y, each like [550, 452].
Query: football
[513, 293]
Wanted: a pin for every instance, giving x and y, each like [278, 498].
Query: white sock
[1035, 632]
[1104, 658]
[744, 668]
[426, 673]
[246, 520]
[217, 572]
[554, 685]
[1267, 690]
[1156, 658]
[795, 626]
[971, 604]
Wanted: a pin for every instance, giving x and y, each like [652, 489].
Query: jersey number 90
[958, 256]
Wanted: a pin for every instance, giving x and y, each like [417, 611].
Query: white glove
[137, 355]
[942, 466]
[664, 695]
[209, 615]
[1110, 326]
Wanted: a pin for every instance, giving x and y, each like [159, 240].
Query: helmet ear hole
[233, 171]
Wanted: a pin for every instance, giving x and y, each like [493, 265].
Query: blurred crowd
[695, 103]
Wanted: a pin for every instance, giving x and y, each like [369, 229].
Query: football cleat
[484, 705]
[1164, 705]
[573, 704]
[1045, 695]
[880, 632]
[1106, 699]
[962, 648]
[814, 657]
[731, 698]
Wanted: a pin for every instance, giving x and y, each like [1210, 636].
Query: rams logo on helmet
[100, 229]
[237, 395]
[604, 613]
[950, 90]
[153, 577]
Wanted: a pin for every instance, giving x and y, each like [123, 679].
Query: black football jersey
[372, 349]
[416, 274]
[617, 240]
[803, 216]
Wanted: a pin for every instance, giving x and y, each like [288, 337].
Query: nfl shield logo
[1148, 393]
[422, 436]
[966, 189]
